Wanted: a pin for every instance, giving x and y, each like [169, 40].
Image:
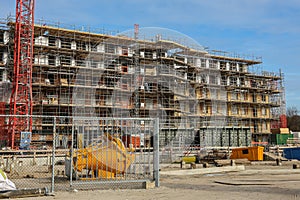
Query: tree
[293, 119]
[291, 111]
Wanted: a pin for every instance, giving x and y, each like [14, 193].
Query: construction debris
[5, 183]
[23, 193]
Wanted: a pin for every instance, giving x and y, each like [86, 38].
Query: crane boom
[21, 97]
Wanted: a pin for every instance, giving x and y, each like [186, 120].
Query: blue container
[292, 153]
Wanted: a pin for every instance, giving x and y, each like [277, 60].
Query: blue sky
[267, 28]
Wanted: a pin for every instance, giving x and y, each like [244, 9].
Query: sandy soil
[256, 182]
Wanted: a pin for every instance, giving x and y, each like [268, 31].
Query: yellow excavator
[105, 159]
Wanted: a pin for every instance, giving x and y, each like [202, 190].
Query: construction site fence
[85, 153]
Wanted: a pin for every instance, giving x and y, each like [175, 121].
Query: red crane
[21, 98]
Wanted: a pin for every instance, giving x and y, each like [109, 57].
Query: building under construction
[202, 97]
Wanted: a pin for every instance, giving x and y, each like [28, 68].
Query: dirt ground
[260, 181]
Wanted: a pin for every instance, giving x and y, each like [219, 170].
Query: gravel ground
[258, 181]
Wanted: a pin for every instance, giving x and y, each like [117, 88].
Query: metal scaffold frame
[202, 99]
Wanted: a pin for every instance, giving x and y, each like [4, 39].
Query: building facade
[203, 98]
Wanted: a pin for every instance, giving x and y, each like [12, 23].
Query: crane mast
[21, 96]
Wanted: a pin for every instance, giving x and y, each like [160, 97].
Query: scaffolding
[203, 98]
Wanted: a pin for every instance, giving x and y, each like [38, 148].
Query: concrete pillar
[73, 62]
[228, 80]
[207, 63]
[207, 79]
[5, 57]
[58, 43]
[218, 65]
[227, 66]
[57, 60]
[6, 37]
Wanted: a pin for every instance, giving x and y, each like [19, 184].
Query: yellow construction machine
[105, 159]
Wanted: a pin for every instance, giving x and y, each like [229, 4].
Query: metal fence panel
[112, 155]
[93, 153]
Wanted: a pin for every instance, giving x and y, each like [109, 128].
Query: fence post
[156, 152]
[53, 154]
[71, 155]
